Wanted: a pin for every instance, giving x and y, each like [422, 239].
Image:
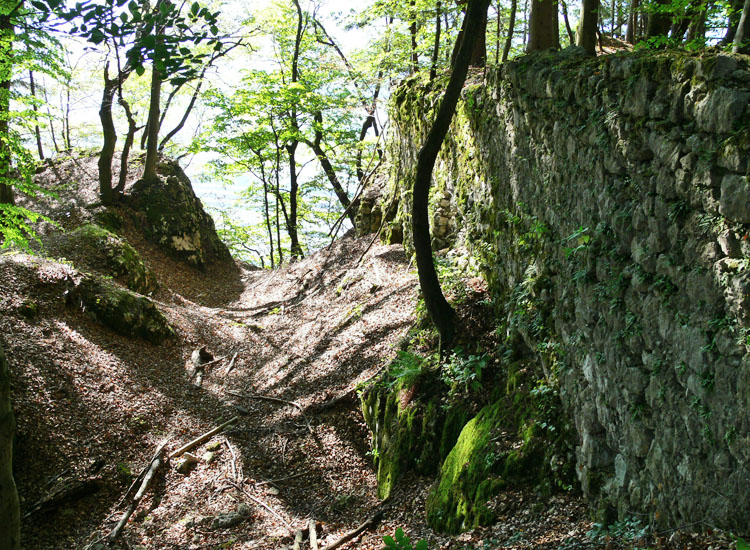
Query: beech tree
[440, 311]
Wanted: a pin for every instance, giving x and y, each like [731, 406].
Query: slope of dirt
[92, 405]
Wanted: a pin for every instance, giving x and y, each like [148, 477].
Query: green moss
[412, 428]
[94, 247]
[123, 311]
[459, 501]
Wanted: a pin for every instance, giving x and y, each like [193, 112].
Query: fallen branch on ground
[151, 470]
[274, 400]
[313, 535]
[371, 522]
[198, 440]
[261, 503]
[231, 363]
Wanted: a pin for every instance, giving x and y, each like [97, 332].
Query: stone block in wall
[721, 110]
[735, 198]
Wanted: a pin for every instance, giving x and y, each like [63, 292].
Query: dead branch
[153, 467]
[231, 362]
[313, 535]
[298, 537]
[275, 400]
[198, 440]
[261, 503]
[370, 523]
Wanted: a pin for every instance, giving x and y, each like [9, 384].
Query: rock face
[93, 247]
[121, 310]
[173, 217]
[606, 201]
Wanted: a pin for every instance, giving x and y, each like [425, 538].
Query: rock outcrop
[173, 217]
[606, 201]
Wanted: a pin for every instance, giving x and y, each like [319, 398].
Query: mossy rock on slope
[93, 247]
[174, 218]
[480, 464]
[412, 427]
[123, 311]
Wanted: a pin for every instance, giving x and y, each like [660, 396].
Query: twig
[198, 440]
[274, 400]
[274, 481]
[204, 365]
[231, 363]
[313, 535]
[234, 458]
[371, 522]
[261, 503]
[153, 467]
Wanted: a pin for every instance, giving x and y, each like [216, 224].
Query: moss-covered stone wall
[608, 202]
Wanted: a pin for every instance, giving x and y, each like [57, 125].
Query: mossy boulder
[93, 247]
[121, 310]
[459, 501]
[173, 217]
[521, 438]
[413, 426]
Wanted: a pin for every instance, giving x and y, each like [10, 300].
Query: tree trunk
[6, 73]
[735, 14]
[413, 36]
[587, 32]
[543, 29]
[296, 249]
[51, 123]
[631, 35]
[325, 163]
[436, 45]
[152, 142]
[129, 138]
[109, 134]
[10, 517]
[742, 37]
[37, 130]
[511, 28]
[440, 311]
[568, 28]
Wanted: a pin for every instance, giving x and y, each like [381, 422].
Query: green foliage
[400, 541]
[628, 530]
[464, 372]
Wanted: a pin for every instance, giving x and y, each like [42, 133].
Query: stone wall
[608, 202]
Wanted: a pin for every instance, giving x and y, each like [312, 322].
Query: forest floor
[92, 405]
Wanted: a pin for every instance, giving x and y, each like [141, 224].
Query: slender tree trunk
[129, 138]
[265, 207]
[291, 148]
[152, 143]
[51, 123]
[37, 130]
[330, 173]
[440, 311]
[7, 33]
[587, 33]
[10, 517]
[742, 37]
[511, 30]
[498, 33]
[109, 133]
[568, 29]
[413, 36]
[630, 36]
[735, 14]
[436, 45]
[68, 146]
[525, 21]
[543, 29]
